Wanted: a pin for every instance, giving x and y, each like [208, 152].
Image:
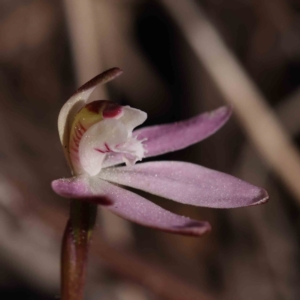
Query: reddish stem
[75, 247]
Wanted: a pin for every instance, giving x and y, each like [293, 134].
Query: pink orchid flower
[98, 137]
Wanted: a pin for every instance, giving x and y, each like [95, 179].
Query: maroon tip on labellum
[112, 110]
[95, 106]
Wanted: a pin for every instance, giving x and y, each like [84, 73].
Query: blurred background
[179, 58]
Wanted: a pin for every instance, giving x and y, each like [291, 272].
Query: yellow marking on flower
[89, 115]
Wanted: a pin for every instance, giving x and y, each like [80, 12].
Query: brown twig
[84, 39]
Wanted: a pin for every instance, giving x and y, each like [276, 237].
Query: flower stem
[75, 248]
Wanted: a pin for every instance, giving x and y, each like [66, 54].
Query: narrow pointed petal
[187, 183]
[77, 101]
[128, 205]
[166, 138]
[78, 188]
[171, 137]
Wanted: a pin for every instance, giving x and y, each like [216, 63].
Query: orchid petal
[128, 205]
[77, 101]
[77, 188]
[172, 137]
[187, 183]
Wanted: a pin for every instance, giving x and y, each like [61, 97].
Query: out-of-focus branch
[258, 120]
[84, 39]
[288, 114]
